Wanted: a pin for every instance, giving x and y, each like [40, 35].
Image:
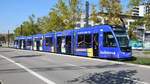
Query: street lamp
[87, 13]
[8, 38]
[21, 30]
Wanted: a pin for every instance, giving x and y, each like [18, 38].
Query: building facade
[141, 10]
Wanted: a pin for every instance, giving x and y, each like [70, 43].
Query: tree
[63, 16]
[43, 24]
[29, 27]
[147, 21]
[56, 22]
[133, 3]
[104, 5]
[141, 21]
[113, 9]
[147, 15]
[75, 12]
[17, 31]
[94, 16]
[133, 26]
[136, 23]
[2, 38]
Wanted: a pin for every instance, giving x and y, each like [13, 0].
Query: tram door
[95, 45]
[24, 44]
[38, 45]
[68, 44]
[20, 44]
[59, 42]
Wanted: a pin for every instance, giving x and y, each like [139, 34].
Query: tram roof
[38, 36]
[20, 37]
[49, 34]
[65, 32]
[29, 37]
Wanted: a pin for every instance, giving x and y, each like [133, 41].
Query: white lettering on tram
[106, 52]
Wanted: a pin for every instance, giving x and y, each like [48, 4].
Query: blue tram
[103, 41]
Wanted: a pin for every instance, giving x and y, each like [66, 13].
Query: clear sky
[14, 12]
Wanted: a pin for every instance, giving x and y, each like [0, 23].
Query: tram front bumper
[124, 55]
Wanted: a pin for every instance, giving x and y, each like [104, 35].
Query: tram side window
[88, 42]
[16, 42]
[29, 42]
[48, 41]
[84, 41]
[109, 40]
[81, 41]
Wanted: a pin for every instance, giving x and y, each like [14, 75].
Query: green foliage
[146, 52]
[114, 9]
[29, 27]
[139, 22]
[55, 22]
[94, 17]
[66, 13]
[133, 26]
[140, 60]
[134, 3]
[61, 17]
[17, 31]
[147, 21]
[2, 38]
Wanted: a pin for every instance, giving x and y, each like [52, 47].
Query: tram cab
[103, 41]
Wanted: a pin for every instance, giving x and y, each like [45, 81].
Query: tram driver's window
[109, 40]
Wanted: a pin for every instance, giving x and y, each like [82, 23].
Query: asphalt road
[32, 67]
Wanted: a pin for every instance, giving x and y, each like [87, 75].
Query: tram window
[88, 40]
[84, 41]
[48, 41]
[81, 41]
[29, 42]
[15, 42]
[109, 40]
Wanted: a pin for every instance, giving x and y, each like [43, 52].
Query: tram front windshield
[123, 40]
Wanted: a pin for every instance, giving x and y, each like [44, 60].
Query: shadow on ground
[130, 59]
[4, 51]
[26, 56]
[107, 77]
[124, 60]
[59, 68]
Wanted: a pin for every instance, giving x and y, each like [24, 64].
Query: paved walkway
[139, 53]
